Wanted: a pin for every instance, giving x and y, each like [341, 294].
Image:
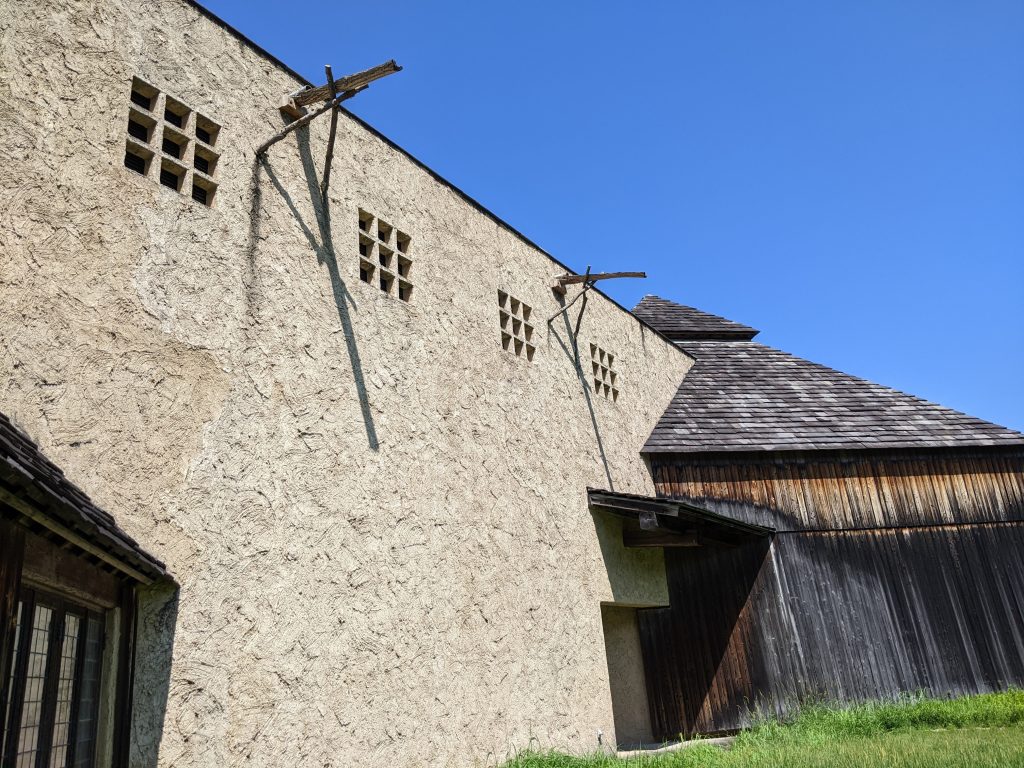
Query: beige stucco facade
[377, 515]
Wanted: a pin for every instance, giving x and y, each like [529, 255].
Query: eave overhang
[672, 522]
[36, 494]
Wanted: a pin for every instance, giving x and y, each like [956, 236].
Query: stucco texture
[377, 516]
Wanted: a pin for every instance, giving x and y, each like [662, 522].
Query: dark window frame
[61, 608]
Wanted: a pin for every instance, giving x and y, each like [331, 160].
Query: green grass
[977, 731]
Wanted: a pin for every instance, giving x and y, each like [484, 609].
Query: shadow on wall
[323, 244]
[154, 645]
[684, 645]
[570, 346]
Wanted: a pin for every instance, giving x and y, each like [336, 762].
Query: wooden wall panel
[850, 490]
[838, 616]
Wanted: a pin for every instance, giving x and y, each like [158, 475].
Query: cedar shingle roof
[745, 396]
[27, 474]
[681, 323]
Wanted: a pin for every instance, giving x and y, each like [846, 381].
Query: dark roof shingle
[681, 323]
[745, 396]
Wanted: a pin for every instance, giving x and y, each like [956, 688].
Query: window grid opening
[384, 256]
[160, 127]
[515, 326]
[606, 378]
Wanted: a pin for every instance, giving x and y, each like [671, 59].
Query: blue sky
[846, 176]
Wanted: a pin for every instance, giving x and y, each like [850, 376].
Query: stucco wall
[377, 516]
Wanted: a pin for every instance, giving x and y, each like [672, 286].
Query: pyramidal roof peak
[681, 323]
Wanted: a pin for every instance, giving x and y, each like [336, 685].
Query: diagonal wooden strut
[262, 148]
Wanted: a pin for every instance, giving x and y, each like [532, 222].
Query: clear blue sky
[846, 176]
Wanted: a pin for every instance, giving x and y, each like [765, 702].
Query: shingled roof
[745, 396]
[682, 323]
[37, 485]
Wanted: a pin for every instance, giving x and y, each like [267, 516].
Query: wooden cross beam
[559, 283]
[336, 91]
[294, 103]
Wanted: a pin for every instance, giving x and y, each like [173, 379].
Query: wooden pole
[302, 121]
[330, 141]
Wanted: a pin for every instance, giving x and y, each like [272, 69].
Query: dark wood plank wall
[842, 614]
[850, 490]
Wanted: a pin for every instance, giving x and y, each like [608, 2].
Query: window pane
[65, 691]
[32, 702]
[88, 697]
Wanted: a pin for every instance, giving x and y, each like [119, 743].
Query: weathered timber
[840, 616]
[12, 544]
[303, 121]
[330, 139]
[559, 283]
[354, 82]
[659, 538]
[889, 572]
[849, 490]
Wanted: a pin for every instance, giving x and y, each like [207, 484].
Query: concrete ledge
[722, 741]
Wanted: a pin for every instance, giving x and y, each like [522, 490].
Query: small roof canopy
[35, 491]
[657, 522]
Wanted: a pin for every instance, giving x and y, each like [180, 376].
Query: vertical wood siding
[842, 615]
[850, 490]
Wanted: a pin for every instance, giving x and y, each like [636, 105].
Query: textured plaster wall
[376, 515]
[626, 676]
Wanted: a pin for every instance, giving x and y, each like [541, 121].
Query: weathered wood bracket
[294, 104]
[334, 92]
[559, 283]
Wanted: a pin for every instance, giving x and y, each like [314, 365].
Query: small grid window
[171, 143]
[385, 256]
[606, 378]
[53, 691]
[516, 328]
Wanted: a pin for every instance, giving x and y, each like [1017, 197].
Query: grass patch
[976, 731]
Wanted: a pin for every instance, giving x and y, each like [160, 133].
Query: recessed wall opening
[173, 144]
[140, 127]
[203, 190]
[379, 263]
[171, 175]
[143, 94]
[176, 113]
[402, 242]
[182, 144]
[205, 161]
[606, 378]
[206, 130]
[137, 159]
[516, 332]
[626, 676]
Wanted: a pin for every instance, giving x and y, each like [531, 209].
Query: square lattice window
[606, 378]
[515, 326]
[384, 256]
[171, 143]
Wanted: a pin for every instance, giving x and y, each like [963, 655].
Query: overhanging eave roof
[673, 513]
